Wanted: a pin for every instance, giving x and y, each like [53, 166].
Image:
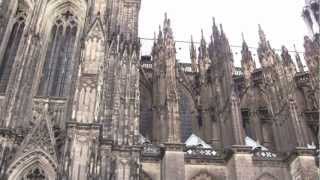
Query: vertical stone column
[216, 137]
[106, 161]
[237, 119]
[300, 131]
[254, 118]
[125, 164]
[81, 154]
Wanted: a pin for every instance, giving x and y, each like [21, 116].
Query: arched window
[59, 63]
[10, 53]
[185, 115]
[146, 115]
[267, 133]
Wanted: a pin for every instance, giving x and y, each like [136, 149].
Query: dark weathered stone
[78, 103]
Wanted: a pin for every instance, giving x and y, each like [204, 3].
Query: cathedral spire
[246, 53]
[193, 56]
[247, 61]
[160, 35]
[203, 47]
[267, 56]
[215, 30]
[225, 46]
[287, 60]
[298, 59]
[262, 35]
[168, 34]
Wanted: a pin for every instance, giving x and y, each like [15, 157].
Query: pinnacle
[203, 41]
[221, 29]
[202, 34]
[214, 26]
[262, 35]
[166, 23]
[192, 42]
[242, 36]
[244, 43]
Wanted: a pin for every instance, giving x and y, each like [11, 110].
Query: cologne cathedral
[79, 102]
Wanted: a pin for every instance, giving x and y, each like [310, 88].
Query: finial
[202, 36]
[244, 43]
[262, 35]
[214, 21]
[160, 33]
[242, 36]
[221, 28]
[166, 22]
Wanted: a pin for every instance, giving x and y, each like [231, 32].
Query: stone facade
[77, 102]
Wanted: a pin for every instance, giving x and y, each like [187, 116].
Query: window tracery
[8, 59]
[58, 67]
[35, 174]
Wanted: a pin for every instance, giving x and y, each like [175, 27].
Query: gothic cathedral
[79, 102]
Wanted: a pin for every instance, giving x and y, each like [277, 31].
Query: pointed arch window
[6, 64]
[59, 63]
[186, 116]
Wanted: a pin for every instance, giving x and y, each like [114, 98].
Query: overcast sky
[280, 19]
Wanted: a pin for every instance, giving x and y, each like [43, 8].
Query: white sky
[280, 19]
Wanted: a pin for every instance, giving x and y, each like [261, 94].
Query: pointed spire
[167, 27]
[203, 46]
[154, 37]
[298, 59]
[242, 36]
[165, 20]
[223, 36]
[247, 61]
[244, 43]
[202, 37]
[286, 56]
[221, 29]
[225, 43]
[160, 35]
[265, 49]
[193, 51]
[262, 35]
[193, 56]
[215, 30]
